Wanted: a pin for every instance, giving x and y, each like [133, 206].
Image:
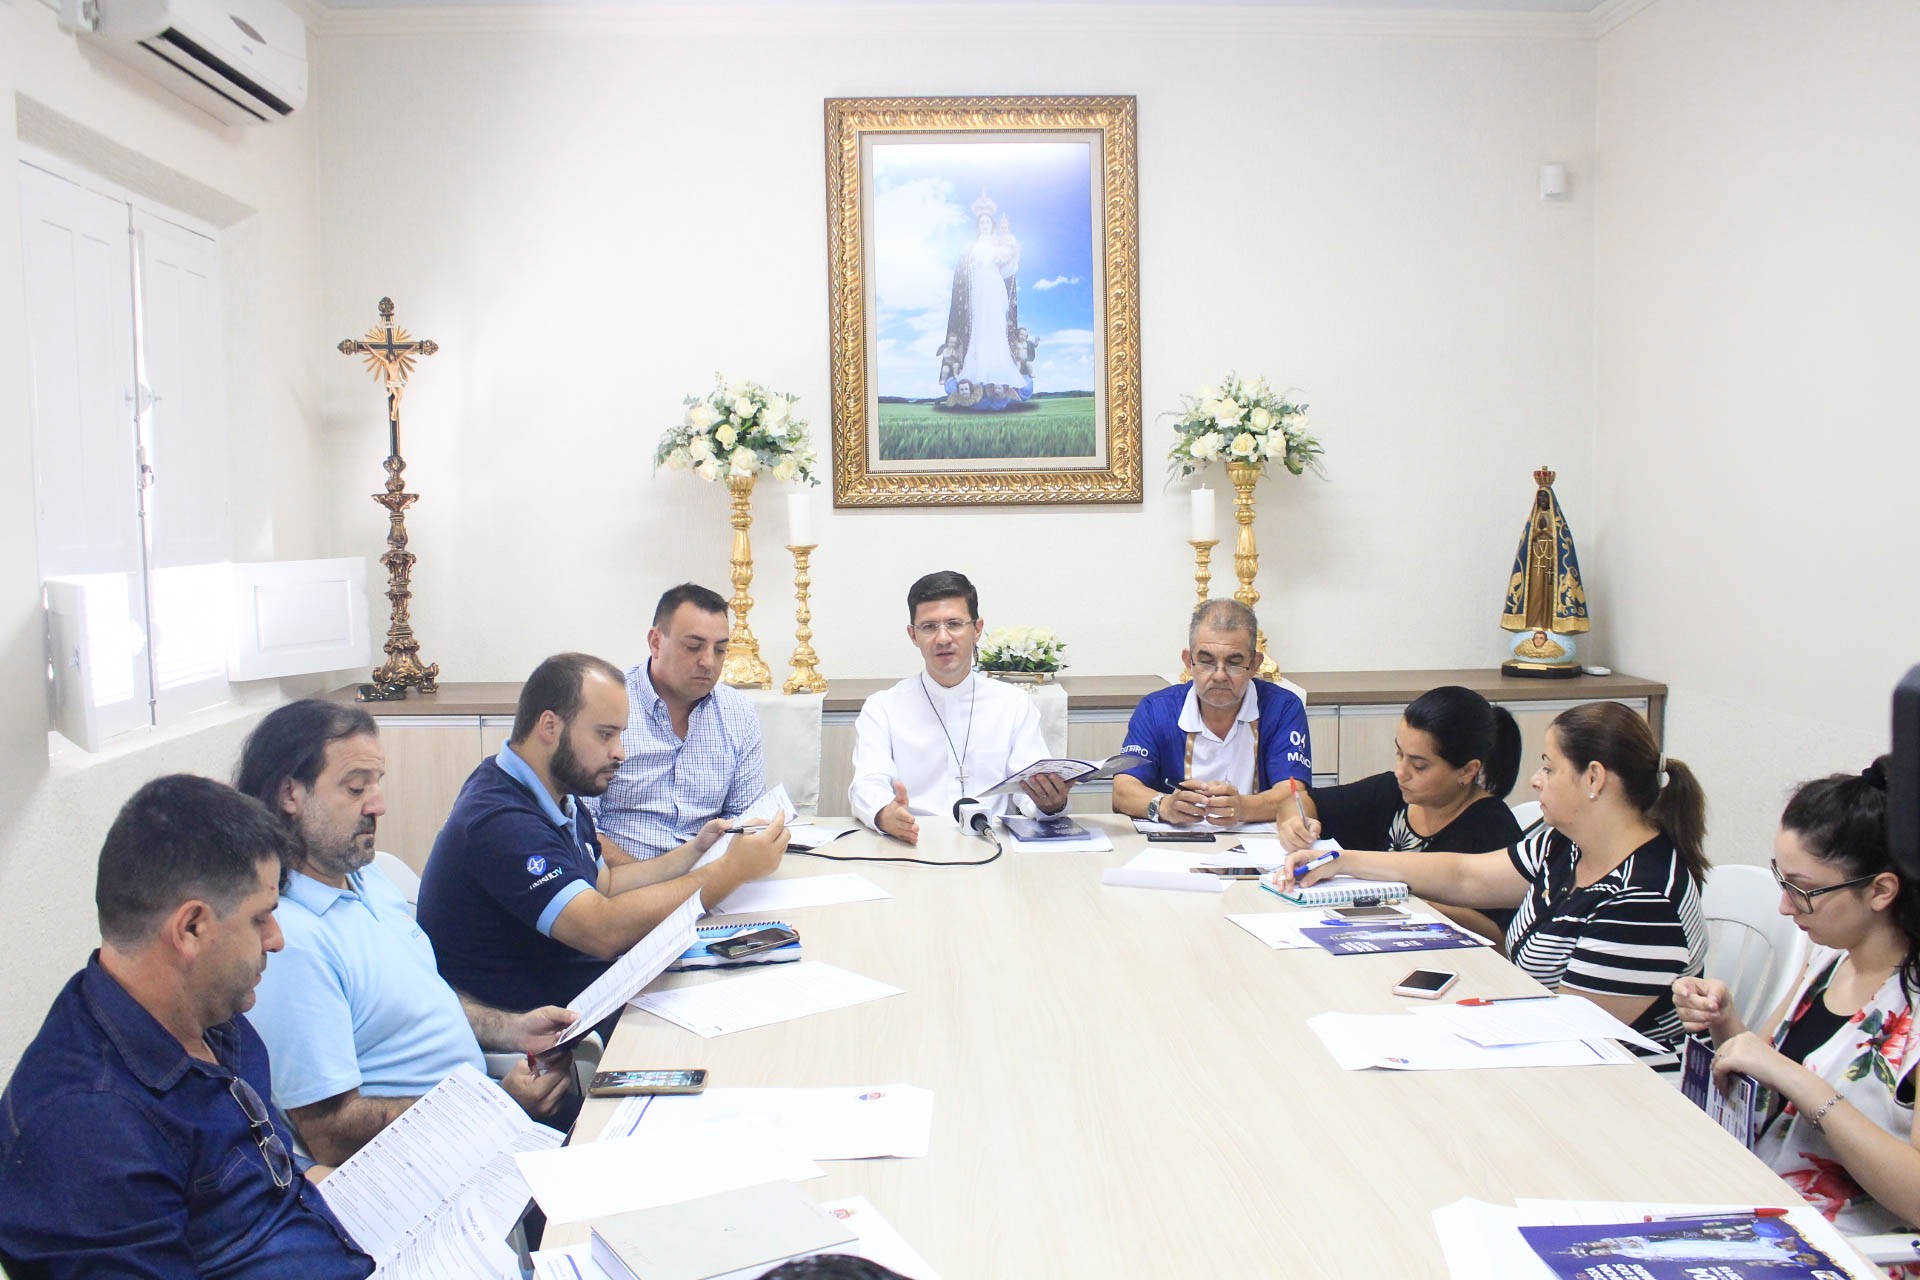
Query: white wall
[51, 824]
[1756, 458]
[592, 215]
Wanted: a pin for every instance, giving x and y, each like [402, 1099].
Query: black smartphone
[1229, 873]
[1367, 915]
[622, 1084]
[745, 944]
[1179, 837]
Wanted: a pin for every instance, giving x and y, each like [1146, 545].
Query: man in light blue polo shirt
[355, 1014]
[693, 745]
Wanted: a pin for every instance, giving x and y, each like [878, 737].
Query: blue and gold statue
[1546, 605]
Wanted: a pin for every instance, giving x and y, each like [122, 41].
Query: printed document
[763, 997]
[609, 993]
[789, 892]
[1403, 1042]
[856, 1122]
[1507, 1022]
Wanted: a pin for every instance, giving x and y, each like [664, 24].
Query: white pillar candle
[1202, 515]
[799, 520]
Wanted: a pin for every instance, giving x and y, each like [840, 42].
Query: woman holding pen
[1456, 756]
[1837, 1055]
[1607, 892]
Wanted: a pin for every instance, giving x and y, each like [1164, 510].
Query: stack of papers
[1262, 828]
[1542, 1020]
[854, 1122]
[1481, 1239]
[800, 891]
[575, 1183]
[763, 997]
[1406, 1042]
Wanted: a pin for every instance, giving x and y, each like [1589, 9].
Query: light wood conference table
[1126, 1086]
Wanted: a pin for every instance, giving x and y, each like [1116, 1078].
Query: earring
[1593, 795]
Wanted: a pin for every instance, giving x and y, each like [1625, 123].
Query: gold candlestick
[743, 669]
[1202, 568]
[806, 677]
[1246, 552]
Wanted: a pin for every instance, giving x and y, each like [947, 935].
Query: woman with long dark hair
[1607, 892]
[1837, 1055]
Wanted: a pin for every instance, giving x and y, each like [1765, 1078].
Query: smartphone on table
[1370, 915]
[626, 1084]
[745, 944]
[1425, 984]
[1229, 873]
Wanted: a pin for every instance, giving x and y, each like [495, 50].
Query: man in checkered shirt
[693, 744]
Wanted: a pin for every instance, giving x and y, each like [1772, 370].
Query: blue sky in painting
[921, 196]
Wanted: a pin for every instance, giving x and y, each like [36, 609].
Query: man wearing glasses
[944, 732]
[134, 1135]
[1223, 749]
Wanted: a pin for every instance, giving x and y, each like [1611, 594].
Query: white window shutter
[295, 617]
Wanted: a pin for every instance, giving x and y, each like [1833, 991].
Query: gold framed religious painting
[983, 267]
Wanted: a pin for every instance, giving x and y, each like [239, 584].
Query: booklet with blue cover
[1739, 1110]
[1372, 939]
[1729, 1246]
[698, 956]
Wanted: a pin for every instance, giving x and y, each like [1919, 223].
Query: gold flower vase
[743, 669]
[1246, 552]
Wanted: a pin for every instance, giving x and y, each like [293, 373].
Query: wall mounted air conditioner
[244, 61]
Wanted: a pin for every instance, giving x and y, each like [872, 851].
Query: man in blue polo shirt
[693, 745]
[522, 906]
[1224, 748]
[135, 1135]
[357, 1016]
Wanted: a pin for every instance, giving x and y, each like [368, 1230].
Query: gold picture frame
[931, 409]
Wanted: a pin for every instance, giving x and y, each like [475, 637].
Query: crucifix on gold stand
[390, 352]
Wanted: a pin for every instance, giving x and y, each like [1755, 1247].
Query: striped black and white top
[1628, 934]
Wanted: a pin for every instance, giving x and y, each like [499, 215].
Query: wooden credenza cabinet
[434, 741]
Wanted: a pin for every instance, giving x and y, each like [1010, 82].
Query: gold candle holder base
[1202, 582]
[743, 668]
[806, 677]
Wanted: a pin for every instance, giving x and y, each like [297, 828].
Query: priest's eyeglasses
[943, 626]
[274, 1151]
[1802, 899]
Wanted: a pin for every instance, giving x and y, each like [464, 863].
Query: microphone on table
[972, 816]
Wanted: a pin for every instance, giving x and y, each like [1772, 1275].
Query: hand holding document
[649, 957]
[789, 892]
[1068, 771]
[768, 996]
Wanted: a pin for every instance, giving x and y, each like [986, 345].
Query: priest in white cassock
[947, 731]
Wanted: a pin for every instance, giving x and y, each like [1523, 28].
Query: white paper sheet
[856, 1122]
[609, 993]
[1251, 828]
[763, 997]
[800, 891]
[446, 1153]
[456, 1246]
[1264, 854]
[1163, 869]
[1481, 1240]
[803, 836]
[575, 1262]
[879, 1242]
[1403, 1042]
[1541, 1021]
[587, 1181]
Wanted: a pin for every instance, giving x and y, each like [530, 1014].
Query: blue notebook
[698, 957]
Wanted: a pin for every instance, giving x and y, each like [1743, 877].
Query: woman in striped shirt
[1607, 892]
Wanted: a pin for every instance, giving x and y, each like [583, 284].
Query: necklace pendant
[961, 777]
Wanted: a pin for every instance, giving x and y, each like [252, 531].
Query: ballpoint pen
[1293, 784]
[1480, 1000]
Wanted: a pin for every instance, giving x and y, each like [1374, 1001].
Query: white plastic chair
[1527, 814]
[404, 877]
[1751, 947]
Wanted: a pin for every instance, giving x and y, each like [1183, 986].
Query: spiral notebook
[1337, 891]
[698, 957]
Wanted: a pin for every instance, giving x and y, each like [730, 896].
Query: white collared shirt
[917, 732]
[1230, 759]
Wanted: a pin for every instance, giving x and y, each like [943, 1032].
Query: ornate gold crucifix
[389, 351]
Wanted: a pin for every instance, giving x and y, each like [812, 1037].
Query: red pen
[1477, 1001]
[1689, 1217]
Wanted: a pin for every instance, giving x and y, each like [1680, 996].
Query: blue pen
[1320, 861]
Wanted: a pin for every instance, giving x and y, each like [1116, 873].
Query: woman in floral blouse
[1839, 1063]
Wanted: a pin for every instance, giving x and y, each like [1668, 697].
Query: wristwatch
[1153, 809]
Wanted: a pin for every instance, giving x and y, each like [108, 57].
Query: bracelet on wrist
[1819, 1116]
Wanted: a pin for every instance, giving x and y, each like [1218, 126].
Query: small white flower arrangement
[1243, 421]
[1022, 649]
[737, 429]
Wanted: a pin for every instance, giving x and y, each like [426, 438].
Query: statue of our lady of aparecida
[1545, 606]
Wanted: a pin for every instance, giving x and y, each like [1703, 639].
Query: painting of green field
[1050, 427]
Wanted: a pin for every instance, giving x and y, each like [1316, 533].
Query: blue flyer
[1722, 1247]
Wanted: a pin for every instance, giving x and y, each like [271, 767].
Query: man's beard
[568, 773]
[343, 859]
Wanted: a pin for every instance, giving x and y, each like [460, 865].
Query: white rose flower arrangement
[737, 429]
[1243, 421]
[1022, 649]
